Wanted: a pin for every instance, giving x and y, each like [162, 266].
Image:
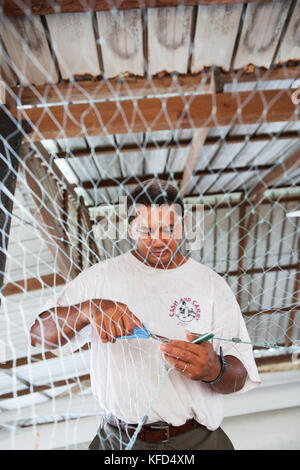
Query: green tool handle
[203, 338]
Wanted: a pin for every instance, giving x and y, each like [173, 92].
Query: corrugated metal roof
[168, 31]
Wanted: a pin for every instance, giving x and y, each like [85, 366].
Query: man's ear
[129, 229]
[185, 220]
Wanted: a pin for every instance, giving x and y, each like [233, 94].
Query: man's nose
[157, 240]
[156, 234]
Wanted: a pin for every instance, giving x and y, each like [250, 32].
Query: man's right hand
[112, 319]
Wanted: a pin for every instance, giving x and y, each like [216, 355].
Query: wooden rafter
[132, 87]
[31, 284]
[44, 7]
[153, 114]
[121, 87]
[31, 359]
[112, 89]
[42, 388]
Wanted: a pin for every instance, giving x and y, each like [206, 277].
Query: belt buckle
[167, 430]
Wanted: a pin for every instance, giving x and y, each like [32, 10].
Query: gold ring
[184, 369]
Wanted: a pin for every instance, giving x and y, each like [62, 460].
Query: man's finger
[120, 327]
[181, 353]
[100, 328]
[185, 368]
[191, 336]
[111, 331]
[196, 349]
[130, 321]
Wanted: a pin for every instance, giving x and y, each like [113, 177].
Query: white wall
[267, 417]
[268, 430]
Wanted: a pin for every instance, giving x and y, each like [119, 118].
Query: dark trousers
[112, 438]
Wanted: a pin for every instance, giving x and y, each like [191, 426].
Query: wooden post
[10, 141]
[51, 226]
[241, 250]
[197, 144]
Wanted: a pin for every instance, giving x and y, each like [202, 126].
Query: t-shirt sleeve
[74, 292]
[229, 324]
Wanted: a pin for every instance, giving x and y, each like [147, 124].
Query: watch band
[222, 372]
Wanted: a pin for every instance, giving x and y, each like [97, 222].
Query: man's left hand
[195, 361]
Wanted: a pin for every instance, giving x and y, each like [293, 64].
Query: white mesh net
[93, 103]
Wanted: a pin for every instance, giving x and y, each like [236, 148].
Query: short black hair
[153, 191]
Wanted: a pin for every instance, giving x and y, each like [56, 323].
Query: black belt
[155, 432]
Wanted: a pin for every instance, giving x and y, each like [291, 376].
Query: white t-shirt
[130, 377]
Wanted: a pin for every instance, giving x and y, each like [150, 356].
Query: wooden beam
[122, 87]
[10, 143]
[153, 114]
[42, 388]
[258, 74]
[31, 284]
[271, 360]
[112, 89]
[33, 358]
[44, 7]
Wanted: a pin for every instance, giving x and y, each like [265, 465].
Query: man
[154, 395]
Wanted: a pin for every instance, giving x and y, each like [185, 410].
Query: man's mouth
[160, 253]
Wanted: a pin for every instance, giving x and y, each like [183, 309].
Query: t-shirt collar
[142, 265]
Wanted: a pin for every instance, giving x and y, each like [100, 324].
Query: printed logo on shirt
[185, 310]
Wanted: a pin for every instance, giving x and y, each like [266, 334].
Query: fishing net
[204, 98]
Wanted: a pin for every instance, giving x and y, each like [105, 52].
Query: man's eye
[143, 230]
[168, 230]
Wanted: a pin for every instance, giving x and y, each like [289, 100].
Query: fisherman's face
[157, 232]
